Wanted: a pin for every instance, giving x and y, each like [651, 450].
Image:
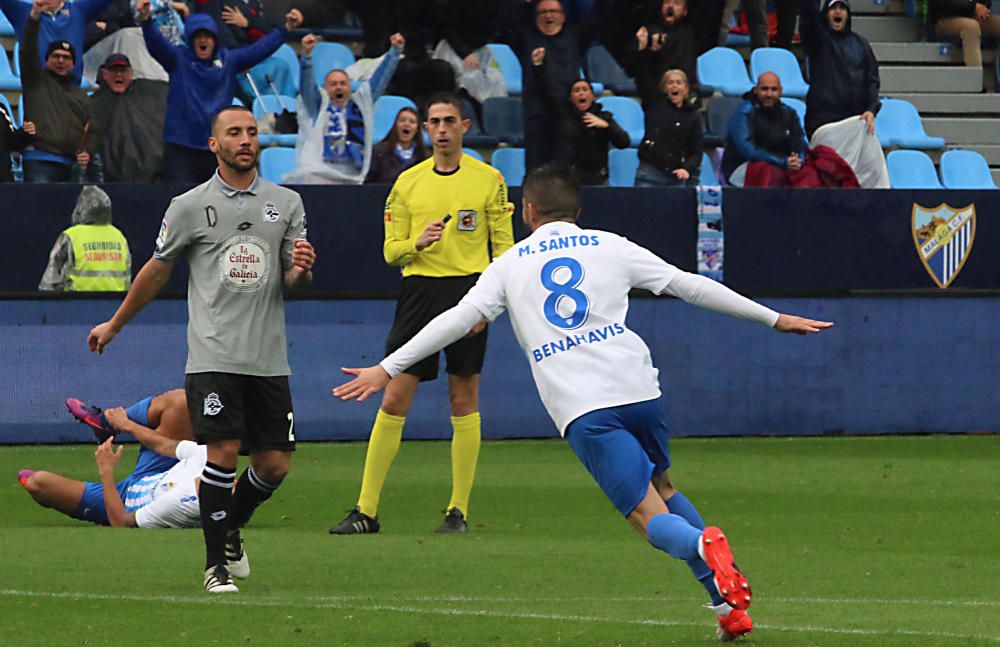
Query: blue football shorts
[623, 448]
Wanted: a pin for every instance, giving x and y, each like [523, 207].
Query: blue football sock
[678, 504]
[673, 534]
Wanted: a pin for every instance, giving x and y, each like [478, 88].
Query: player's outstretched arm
[800, 325]
[366, 382]
[148, 283]
[162, 445]
[106, 458]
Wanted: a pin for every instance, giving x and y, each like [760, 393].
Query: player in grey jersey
[240, 234]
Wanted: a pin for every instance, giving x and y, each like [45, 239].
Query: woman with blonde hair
[670, 152]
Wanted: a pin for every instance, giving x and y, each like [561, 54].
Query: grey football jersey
[237, 244]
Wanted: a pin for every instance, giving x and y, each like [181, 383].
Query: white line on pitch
[319, 603]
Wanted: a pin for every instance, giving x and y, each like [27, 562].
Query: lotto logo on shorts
[212, 405]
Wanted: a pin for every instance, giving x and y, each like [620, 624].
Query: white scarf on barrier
[859, 148]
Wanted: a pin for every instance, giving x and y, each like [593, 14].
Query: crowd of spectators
[138, 127]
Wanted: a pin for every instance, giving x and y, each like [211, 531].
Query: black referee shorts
[254, 409]
[422, 298]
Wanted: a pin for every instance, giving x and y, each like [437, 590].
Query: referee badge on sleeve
[467, 220]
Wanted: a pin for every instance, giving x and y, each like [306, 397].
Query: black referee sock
[251, 491]
[214, 498]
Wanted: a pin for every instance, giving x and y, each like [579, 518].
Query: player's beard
[230, 159]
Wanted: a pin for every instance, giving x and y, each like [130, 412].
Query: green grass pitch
[884, 541]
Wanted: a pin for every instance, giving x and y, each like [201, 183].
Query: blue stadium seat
[911, 170]
[288, 55]
[387, 107]
[510, 162]
[961, 169]
[784, 64]
[6, 29]
[9, 79]
[276, 162]
[471, 152]
[503, 118]
[800, 109]
[273, 105]
[628, 113]
[622, 165]
[509, 66]
[330, 56]
[603, 68]
[720, 111]
[707, 177]
[898, 124]
[721, 69]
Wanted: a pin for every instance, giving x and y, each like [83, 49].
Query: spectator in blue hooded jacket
[59, 21]
[202, 82]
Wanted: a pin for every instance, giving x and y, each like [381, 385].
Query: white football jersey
[171, 497]
[566, 289]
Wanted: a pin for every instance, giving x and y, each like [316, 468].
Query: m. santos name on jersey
[572, 341]
[562, 242]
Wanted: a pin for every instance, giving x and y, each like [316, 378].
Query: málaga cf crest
[944, 238]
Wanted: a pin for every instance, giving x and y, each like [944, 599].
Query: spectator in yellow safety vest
[92, 255]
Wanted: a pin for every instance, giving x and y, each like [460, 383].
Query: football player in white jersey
[566, 289]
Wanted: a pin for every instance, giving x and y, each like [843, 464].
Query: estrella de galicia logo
[943, 237]
[271, 213]
[213, 406]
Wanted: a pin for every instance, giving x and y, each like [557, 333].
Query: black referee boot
[356, 523]
[454, 521]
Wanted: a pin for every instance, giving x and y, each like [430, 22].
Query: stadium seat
[707, 177]
[510, 162]
[622, 165]
[273, 105]
[628, 113]
[911, 170]
[471, 152]
[898, 124]
[509, 66]
[800, 109]
[9, 79]
[330, 56]
[783, 63]
[288, 55]
[503, 118]
[720, 111]
[961, 169]
[276, 162]
[6, 29]
[386, 108]
[604, 69]
[721, 69]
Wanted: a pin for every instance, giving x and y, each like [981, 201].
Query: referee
[441, 219]
[243, 238]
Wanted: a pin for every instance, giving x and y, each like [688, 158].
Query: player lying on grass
[567, 289]
[162, 490]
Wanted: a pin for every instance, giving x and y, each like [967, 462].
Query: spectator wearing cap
[128, 117]
[55, 103]
[59, 20]
[202, 82]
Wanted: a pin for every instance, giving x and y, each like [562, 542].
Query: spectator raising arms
[202, 82]
[584, 128]
[402, 148]
[670, 152]
[56, 105]
[335, 126]
[671, 43]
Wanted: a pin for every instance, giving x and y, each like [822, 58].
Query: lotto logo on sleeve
[213, 406]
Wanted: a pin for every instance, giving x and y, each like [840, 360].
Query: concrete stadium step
[903, 78]
[963, 131]
[886, 29]
[990, 151]
[996, 176]
[952, 103]
[878, 7]
[936, 53]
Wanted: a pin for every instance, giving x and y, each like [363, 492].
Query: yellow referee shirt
[475, 195]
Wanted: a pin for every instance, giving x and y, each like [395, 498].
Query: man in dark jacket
[202, 82]
[671, 43]
[763, 129]
[843, 72]
[128, 114]
[55, 103]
